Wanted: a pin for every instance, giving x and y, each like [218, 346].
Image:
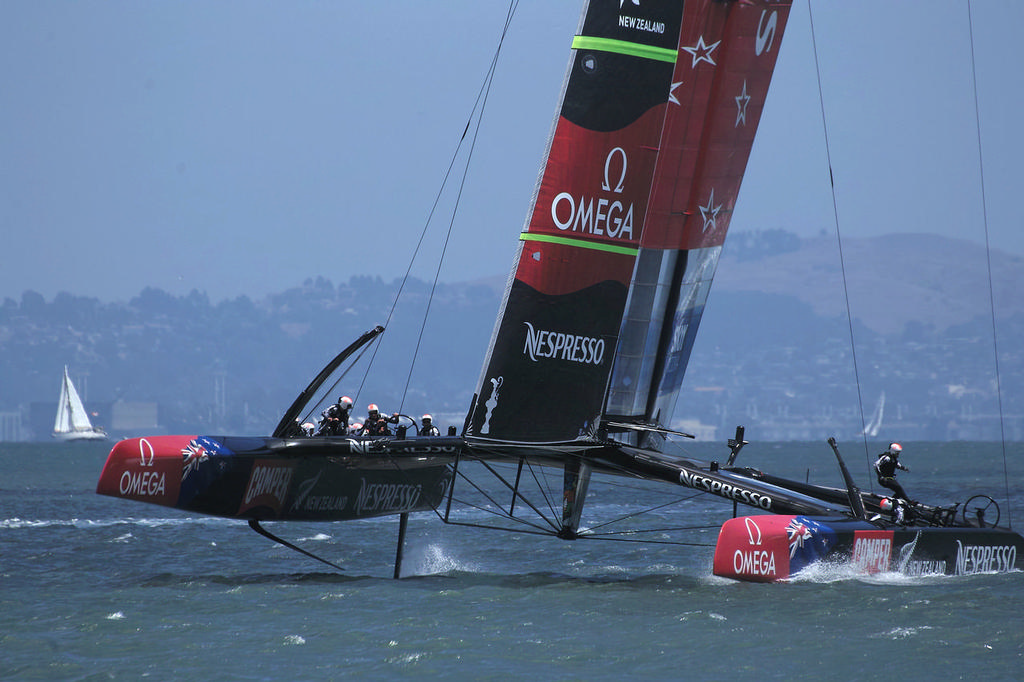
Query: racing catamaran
[657, 117]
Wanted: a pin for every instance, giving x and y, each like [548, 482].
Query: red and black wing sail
[657, 119]
[727, 55]
[552, 351]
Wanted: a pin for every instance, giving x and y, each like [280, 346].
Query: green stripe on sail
[661, 54]
[578, 243]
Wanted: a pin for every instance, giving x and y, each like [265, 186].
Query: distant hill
[892, 280]
[774, 348]
[773, 351]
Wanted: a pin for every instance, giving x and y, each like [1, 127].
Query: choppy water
[98, 588]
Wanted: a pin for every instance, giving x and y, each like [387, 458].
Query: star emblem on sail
[701, 52]
[710, 212]
[672, 93]
[741, 106]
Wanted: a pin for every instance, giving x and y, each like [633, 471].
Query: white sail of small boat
[72, 422]
[875, 424]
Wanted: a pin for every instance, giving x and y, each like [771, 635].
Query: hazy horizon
[234, 148]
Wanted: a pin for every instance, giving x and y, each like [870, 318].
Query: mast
[62, 422]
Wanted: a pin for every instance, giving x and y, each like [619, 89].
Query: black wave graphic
[609, 91]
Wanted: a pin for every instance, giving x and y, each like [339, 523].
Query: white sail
[72, 422]
[871, 430]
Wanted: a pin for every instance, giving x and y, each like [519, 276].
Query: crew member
[427, 427]
[375, 424]
[886, 465]
[335, 418]
[896, 508]
[297, 430]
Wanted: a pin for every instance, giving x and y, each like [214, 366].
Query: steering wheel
[976, 515]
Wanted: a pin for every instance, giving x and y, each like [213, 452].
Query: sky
[240, 147]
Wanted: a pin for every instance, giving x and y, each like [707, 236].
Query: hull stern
[305, 479]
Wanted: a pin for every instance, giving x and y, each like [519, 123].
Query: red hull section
[776, 547]
[753, 548]
[146, 469]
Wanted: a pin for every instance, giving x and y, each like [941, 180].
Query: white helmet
[895, 448]
[346, 402]
[885, 504]
[427, 418]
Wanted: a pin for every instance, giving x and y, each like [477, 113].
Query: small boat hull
[777, 547]
[294, 479]
[67, 436]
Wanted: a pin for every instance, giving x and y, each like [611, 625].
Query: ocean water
[94, 588]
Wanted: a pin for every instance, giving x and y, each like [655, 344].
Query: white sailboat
[72, 422]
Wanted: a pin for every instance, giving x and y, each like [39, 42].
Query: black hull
[282, 479]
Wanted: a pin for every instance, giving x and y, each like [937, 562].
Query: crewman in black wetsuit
[428, 428]
[335, 418]
[375, 424]
[886, 465]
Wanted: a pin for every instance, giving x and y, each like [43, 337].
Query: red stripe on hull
[146, 469]
[754, 549]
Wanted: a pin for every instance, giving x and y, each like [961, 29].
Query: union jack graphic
[798, 534]
[194, 455]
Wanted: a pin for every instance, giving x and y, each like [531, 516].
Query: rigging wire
[482, 102]
[476, 114]
[548, 491]
[554, 526]
[988, 251]
[533, 528]
[988, 258]
[648, 510]
[333, 386]
[839, 240]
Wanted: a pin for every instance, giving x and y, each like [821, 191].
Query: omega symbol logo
[146, 455]
[753, 531]
[606, 185]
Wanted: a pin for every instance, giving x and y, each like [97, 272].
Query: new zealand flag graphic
[809, 541]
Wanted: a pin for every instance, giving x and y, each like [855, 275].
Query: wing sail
[657, 118]
[552, 351]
